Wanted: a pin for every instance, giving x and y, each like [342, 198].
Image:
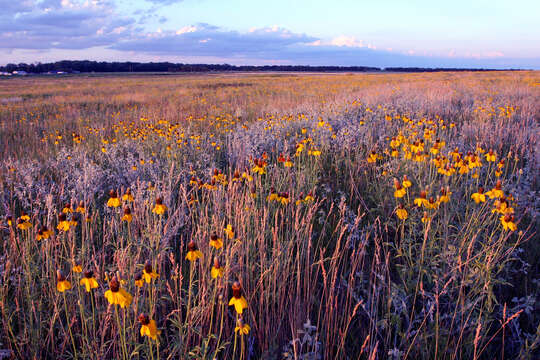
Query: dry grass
[328, 269]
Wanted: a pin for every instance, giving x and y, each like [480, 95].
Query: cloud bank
[54, 25]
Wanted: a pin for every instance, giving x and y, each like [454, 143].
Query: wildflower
[496, 192]
[67, 209]
[148, 273]
[216, 242]
[400, 191]
[309, 197]
[372, 158]
[507, 222]
[193, 181]
[425, 218]
[63, 223]
[401, 212]
[284, 198]
[80, 208]
[241, 327]
[44, 233]
[127, 195]
[113, 201]
[445, 195]
[253, 193]
[431, 203]
[23, 222]
[491, 156]
[193, 252]
[421, 200]
[246, 176]
[479, 196]
[9, 221]
[148, 327]
[61, 283]
[501, 207]
[217, 270]
[273, 195]
[260, 167]
[236, 176]
[238, 300]
[127, 215]
[77, 268]
[139, 282]
[89, 281]
[229, 231]
[116, 295]
[288, 163]
[159, 209]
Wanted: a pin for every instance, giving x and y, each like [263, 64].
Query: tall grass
[297, 176]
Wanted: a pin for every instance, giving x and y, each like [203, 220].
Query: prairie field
[270, 216]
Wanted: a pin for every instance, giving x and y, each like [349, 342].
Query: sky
[383, 33]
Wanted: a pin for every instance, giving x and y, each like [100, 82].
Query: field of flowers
[270, 216]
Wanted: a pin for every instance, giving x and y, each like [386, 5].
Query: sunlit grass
[254, 216]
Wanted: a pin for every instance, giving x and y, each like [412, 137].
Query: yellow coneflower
[241, 327]
[236, 176]
[139, 282]
[89, 281]
[507, 222]
[400, 190]
[63, 223]
[444, 195]
[496, 192]
[501, 207]
[159, 208]
[309, 197]
[148, 327]
[401, 212]
[9, 221]
[238, 300]
[431, 203]
[288, 163]
[127, 215]
[23, 222]
[253, 192]
[217, 270]
[113, 201]
[193, 252]
[44, 233]
[229, 231]
[127, 196]
[76, 267]
[216, 242]
[491, 156]
[284, 198]
[479, 196]
[148, 273]
[259, 166]
[80, 208]
[273, 195]
[372, 158]
[67, 209]
[61, 283]
[425, 218]
[421, 200]
[116, 295]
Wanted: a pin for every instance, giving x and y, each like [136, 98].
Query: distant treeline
[86, 66]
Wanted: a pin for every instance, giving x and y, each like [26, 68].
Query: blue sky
[474, 33]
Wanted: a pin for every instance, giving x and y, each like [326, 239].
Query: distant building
[20, 72]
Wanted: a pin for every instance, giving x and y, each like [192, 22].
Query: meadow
[270, 216]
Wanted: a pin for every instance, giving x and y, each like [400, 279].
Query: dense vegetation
[365, 216]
